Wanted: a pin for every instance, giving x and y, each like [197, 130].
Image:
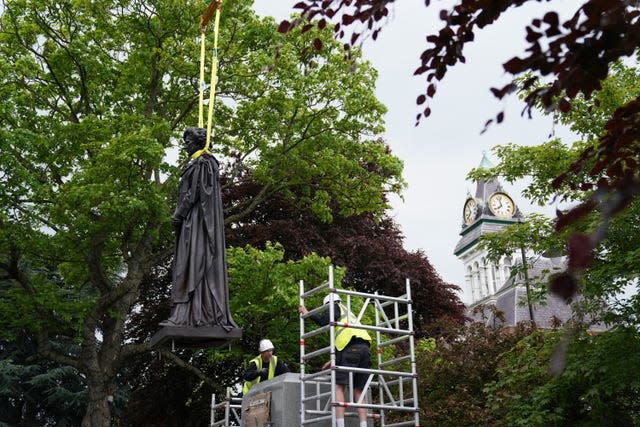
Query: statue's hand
[177, 222]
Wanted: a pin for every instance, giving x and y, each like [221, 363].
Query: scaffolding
[397, 390]
[231, 407]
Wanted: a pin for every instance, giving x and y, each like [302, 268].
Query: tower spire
[485, 163]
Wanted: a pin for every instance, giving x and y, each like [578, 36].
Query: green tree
[92, 97]
[591, 382]
[607, 264]
[597, 386]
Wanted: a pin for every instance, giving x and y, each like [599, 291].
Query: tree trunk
[101, 359]
[98, 412]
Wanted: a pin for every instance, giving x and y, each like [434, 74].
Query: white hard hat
[265, 345]
[331, 298]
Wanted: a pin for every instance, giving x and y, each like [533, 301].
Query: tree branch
[94, 265]
[130, 350]
[179, 362]
[44, 349]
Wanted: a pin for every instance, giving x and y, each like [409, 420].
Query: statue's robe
[200, 294]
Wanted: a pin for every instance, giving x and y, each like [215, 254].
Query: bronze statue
[200, 295]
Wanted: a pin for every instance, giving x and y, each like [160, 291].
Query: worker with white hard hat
[263, 367]
[331, 297]
[352, 350]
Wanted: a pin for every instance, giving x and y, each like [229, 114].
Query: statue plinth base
[195, 337]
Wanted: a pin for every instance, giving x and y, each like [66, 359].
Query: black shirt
[323, 320]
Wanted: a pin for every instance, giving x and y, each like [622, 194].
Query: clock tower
[488, 211]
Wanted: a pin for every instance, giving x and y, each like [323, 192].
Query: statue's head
[194, 139]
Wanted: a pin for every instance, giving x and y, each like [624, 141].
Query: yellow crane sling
[214, 5]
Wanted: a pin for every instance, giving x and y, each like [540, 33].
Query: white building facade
[490, 210]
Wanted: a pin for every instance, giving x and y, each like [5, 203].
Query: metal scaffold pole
[412, 352]
[332, 351]
[231, 407]
[393, 324]
[302, 356]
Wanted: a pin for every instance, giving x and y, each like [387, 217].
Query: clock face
[501, 205]
[470, 211]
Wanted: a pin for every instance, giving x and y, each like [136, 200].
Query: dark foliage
[564, 285]
[35, 391]
[168, 395]
[454, 374]
[370, 249]
[574, 56]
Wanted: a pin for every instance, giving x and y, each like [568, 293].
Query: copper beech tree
[564, 60]
[370, 250]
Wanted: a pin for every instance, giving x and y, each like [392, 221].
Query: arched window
[471, 284]
[477, 279]
[485, 276]
[507, 263]
[496, 277]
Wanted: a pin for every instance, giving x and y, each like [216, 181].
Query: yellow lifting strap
[214, 5]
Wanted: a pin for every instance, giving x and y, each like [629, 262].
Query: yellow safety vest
[345, 332]
[258, 361]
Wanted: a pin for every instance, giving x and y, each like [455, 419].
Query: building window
[496, 277]
[507, 267]
[471, 284]
[485, 276]
[476, 279]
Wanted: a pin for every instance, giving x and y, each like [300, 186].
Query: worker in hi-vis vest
[352, 350]
[263, 367]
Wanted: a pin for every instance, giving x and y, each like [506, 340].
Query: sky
[438, 153]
